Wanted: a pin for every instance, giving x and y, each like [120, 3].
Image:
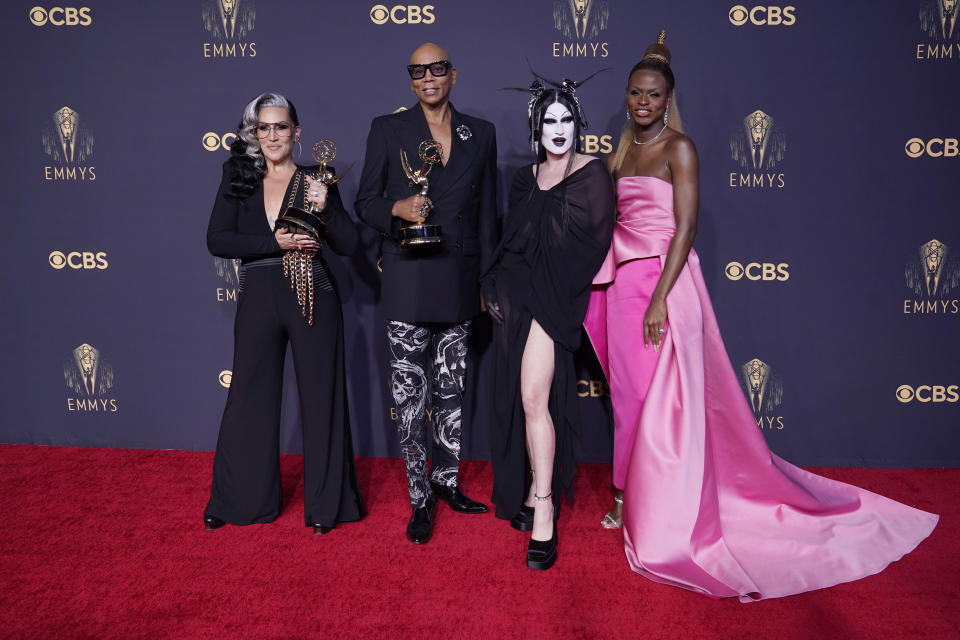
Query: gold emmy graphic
[419, 233]
[298, 263]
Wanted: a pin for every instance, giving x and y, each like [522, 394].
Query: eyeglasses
[282, 129]
[438, 69]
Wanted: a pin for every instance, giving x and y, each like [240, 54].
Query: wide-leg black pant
[246, 471]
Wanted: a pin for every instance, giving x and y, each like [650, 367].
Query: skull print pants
[428, 358]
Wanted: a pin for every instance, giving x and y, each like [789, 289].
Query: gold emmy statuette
[419, 233]
[297, 263]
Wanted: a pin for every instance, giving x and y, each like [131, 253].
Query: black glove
[488, 291]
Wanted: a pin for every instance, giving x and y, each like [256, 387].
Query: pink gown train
[707, 505]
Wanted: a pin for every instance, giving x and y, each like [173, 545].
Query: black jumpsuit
[246, 472]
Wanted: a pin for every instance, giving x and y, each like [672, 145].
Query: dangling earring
[300, 148]
[666, 112]
[628, 114]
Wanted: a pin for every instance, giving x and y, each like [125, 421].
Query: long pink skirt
[631, 363]
[707, 505]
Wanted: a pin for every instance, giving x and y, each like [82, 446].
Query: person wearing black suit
[259, 181]
[430, 294]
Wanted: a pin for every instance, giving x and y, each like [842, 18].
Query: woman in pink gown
[706, 505]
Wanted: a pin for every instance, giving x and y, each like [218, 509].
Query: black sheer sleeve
[573, 243]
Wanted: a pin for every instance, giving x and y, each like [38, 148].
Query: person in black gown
[555, 238]
[260, 180]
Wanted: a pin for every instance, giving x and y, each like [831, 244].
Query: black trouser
[417, 349]
[246, 471]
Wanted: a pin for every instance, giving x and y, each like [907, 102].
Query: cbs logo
[213, 141]
[403, 14]
[225, 378]
[60, 16]
[757, 271]
[78, 260]
[928, 393]
[596, 144]
[739, 15]
[935, 147]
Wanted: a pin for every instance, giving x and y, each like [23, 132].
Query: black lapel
[461, 155]
[415, 131]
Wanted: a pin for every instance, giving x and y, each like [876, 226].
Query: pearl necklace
[635, 141]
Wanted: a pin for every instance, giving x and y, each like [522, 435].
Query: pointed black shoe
[420, 527]
[457, 501]
[212, 522]
[523, 521]
[321, 529]
[541, 554]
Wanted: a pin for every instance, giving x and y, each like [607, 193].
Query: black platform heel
[541, 554]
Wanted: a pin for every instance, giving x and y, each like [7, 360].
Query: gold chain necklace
[298, 263]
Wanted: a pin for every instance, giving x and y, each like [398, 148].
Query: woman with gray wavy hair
[286, 293]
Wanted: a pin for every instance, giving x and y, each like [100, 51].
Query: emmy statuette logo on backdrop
[757, 271]
[758, 148]
[229, 271]
[60, 16]
[762, 15]
[228, 24]
[78, 260]
[90, 377]
[403, 14]
[933, 273]
[764, 391]
[213, 141]
[580, 23]
[938, 21]
[68, 142]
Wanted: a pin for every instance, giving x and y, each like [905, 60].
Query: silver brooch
[464, 132]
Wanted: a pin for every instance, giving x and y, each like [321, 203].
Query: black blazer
[239, 229]
[432, 284]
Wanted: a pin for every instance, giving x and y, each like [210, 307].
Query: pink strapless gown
[707, 506]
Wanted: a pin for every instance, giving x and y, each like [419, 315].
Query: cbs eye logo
[757, 271]
[213, 141]
[403, 14]
[78, 260]
[225, 378]
[928, 393]
[934, 147]
[60, 16]
[762, 15]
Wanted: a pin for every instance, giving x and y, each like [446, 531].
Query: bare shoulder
[679, 147]
[682, 154]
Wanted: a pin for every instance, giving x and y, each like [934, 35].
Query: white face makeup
[557, 133]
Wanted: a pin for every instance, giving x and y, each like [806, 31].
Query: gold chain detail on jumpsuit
[298, 263]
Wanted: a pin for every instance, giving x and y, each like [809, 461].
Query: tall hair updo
[657, 59]
[246, 156]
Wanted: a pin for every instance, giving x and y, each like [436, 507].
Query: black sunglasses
[438, 69]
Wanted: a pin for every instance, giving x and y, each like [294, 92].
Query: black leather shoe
[212, 522]
[541, 554]
[321, 529]
[457, 501]
[420, 527]
[523, 521]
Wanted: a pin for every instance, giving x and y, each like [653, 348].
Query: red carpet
[108, 543]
